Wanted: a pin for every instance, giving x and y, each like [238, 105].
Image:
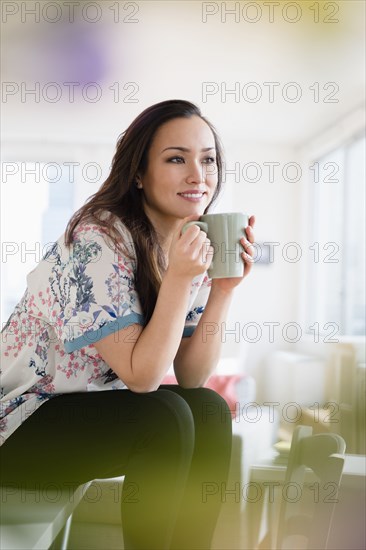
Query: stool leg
[66, 533]
[62, 539]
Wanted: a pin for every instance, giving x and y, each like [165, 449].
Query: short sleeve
[199, 299]
[98, 295]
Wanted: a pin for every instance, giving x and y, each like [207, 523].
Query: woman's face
[181, 174]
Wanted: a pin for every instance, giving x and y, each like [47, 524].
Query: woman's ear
[138, 182]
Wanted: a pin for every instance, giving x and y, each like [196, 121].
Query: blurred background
[284, 84]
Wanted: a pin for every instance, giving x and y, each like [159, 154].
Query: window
[39, 193]
[336, 297]
[34, 213]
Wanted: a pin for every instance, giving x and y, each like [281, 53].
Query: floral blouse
[74, 297]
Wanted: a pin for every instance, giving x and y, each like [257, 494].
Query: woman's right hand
[190, 254]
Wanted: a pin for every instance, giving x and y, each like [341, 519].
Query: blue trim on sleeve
[92, 336]
[188, 331]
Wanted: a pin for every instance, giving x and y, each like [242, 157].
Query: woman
[118, 299]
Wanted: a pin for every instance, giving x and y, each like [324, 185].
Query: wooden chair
[307, 525]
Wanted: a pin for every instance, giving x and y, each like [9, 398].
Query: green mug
[224, 231]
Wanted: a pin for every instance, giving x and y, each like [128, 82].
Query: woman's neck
[165, 228]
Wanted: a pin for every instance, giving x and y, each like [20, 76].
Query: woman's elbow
[142, 387]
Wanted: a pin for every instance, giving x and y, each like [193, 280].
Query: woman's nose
[196, 173]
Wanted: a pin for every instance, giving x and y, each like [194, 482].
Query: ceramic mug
[224, 231]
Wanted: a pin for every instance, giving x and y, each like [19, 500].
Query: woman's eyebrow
[186, 150]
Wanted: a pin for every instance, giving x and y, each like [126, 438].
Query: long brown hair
[119, 196]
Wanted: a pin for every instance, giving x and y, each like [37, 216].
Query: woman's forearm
[199, 354]
[158, 343]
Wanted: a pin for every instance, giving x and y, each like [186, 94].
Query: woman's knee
[207, 404]
[167, 408]
[166, 425]
[213, 406]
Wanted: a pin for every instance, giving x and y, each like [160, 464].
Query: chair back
[306, 510]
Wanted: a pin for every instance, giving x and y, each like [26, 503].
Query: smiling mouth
[197, 195]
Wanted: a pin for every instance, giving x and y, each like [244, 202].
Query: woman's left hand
[228, 284]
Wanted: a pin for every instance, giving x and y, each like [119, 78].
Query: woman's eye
[176, 160]
[180, 160]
